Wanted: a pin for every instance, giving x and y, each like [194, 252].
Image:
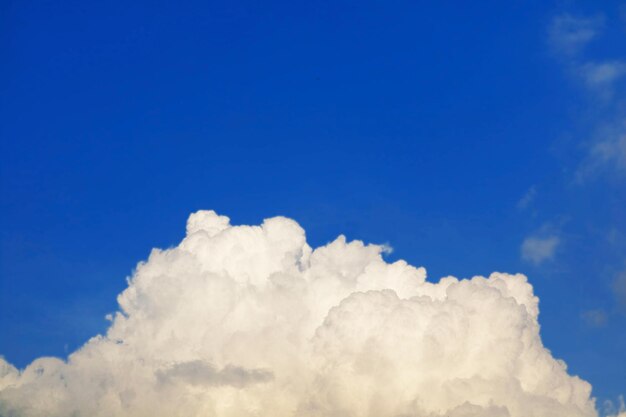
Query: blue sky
[470, 138]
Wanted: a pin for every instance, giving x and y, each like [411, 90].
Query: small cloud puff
[568, 36]
[538, 249]
[601, 74]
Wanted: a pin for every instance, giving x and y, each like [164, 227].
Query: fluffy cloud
[250, 321]
[536, 249]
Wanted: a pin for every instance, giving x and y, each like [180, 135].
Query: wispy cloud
[619, 290]
[595, 318]
[538, 249]
[568, 35]
[600, 78]
[607, 154]
[527, 199]
[615, 410]
[601, 74]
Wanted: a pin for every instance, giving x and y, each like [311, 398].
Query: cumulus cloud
[538, 249]
[251, 321]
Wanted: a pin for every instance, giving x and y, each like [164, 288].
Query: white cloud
[538, 249]
[569, 34]
[242, 321]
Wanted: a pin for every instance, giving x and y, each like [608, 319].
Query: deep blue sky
[451, 130]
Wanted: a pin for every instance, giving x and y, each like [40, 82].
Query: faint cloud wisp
[595, 318]
[619, 290]
[605, 152]
[527, 199]
[605, 155]
[568, 34]
[536, 249]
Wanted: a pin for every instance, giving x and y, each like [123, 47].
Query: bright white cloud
[250, 321]
[538, 249]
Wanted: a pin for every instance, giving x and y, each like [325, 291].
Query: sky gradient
[470, 139]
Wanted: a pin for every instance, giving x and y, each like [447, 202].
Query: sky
[469, 138]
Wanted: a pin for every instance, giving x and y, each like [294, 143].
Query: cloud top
[251, 321]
